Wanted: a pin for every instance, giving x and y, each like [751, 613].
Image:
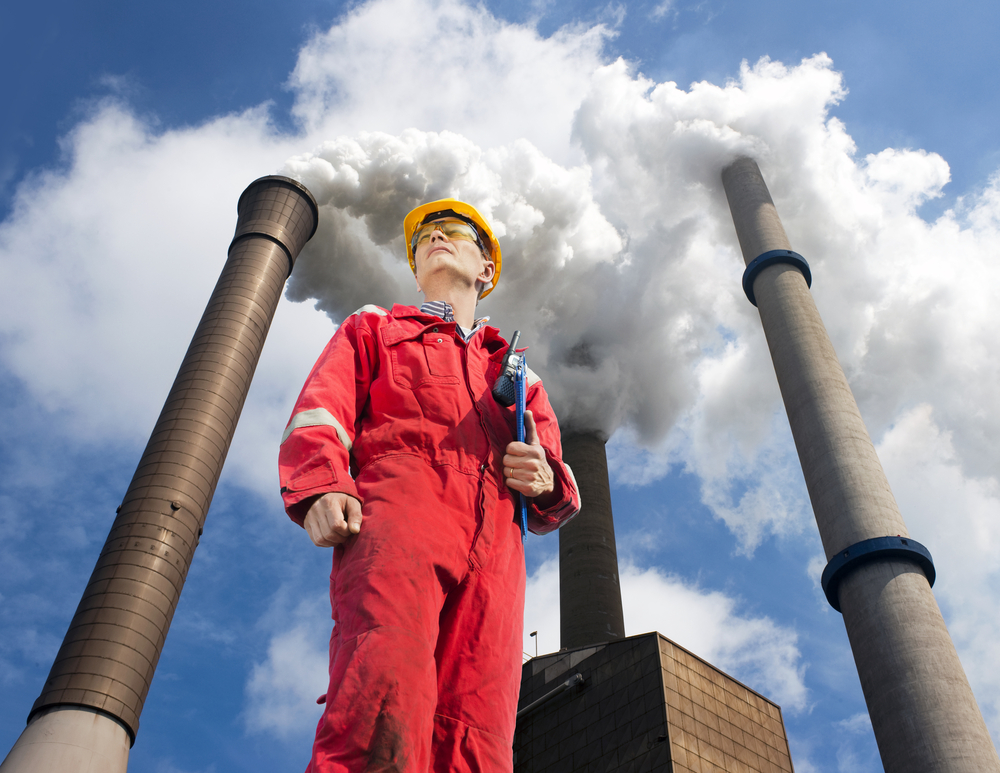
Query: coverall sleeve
[315, 453]
[568, 505]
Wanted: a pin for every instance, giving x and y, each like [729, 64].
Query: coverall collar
[444, 310]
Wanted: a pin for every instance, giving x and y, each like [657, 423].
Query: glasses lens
[453, 229]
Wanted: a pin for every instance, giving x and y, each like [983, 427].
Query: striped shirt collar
[444, 310]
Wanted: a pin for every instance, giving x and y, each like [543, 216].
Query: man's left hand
[525, 467]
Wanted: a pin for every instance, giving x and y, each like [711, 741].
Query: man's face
[458, 257]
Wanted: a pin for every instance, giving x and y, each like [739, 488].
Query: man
[398, 456]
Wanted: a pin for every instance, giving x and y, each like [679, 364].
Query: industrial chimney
[922, 709]
[590, 596]
[87, 716]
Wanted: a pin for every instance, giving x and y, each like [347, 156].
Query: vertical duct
[922, 709]
[106, 662]
[590, 597]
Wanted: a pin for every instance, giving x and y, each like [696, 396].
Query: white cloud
[848, 746]
[167, 766]
[661, 9]
[445, 65]
[859, 723]
[541, 609]
[851, 758]
[105, 265]
[281, 691]
[957, 517]
[754, 650]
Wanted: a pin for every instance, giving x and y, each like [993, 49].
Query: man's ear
[486, 275]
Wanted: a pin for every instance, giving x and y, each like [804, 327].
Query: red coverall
[428, 599]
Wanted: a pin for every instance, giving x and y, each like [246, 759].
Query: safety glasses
[452, 228]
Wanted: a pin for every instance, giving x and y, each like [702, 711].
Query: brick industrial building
[607, 703]
[643, 704]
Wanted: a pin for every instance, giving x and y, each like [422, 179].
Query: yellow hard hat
[435, 210]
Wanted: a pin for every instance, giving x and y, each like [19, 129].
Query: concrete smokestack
[590, 596]
[88, 713]
[922, 709]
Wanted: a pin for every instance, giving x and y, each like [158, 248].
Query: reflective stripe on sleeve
[531, 377]
[567, 511]
[373, 309]
[317, 417]
[572, 477]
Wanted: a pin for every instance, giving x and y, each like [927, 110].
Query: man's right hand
[333, 518]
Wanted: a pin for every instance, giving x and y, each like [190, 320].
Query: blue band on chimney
[867, 550]
[761, 262]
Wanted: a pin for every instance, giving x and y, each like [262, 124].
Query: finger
[320, 529]
[530, 430]
[353, 512]
[515, 452]
[310, 527]
[326, 522]
[521, 462]
[520, 455]
[530, 488]
[519, 486]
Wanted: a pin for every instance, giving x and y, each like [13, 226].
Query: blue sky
[920, 75]
[111, 109]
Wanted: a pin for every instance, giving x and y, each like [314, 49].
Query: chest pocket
[427, 358]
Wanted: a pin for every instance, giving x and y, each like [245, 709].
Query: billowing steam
[607, 313]
[624, 273]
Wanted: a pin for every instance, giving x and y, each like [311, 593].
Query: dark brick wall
[615, 722]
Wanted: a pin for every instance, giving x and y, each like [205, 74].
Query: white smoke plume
[608, 311]
[562, 260]
[623, 272]
[622, 284]
[493, 81]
